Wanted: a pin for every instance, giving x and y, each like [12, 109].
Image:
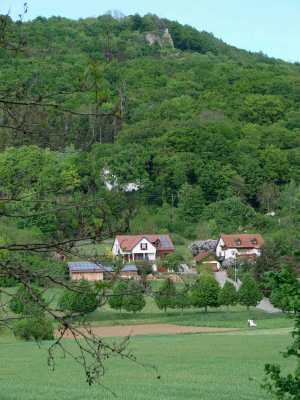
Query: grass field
[203, 366]
[227, 366]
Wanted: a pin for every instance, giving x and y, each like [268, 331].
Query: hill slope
[208, 132]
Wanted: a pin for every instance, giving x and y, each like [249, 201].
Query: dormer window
[238, 242]
[157, 244]
[254, 241]
[144, 246]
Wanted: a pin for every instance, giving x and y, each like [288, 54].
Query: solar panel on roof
[165, 242]
[129, 268]
[85, 266]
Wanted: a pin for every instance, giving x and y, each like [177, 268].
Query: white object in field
[251, 323]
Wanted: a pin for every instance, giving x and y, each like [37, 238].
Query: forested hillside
[210, 134]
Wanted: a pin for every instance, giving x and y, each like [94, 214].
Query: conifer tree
[116, 300]
[134, 299]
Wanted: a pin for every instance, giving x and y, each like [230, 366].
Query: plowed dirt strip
[150, 329]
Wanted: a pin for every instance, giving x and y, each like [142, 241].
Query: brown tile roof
[199, 257]
[127, 242]
[244, 240]
[204, 254]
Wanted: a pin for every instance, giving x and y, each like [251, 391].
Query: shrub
[116, 300]
[81, 298]
[34, 329]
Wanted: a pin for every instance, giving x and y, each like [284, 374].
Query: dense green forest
[207, 133]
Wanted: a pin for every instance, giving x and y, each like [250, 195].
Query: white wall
[233, 252]
[116, 248]
[150, 252]
[219, 251]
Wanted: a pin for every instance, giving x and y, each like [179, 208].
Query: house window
[238, 242]
[144, 246]
[254, 241]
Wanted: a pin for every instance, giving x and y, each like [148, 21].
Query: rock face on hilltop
[167, 39]
[163, 39]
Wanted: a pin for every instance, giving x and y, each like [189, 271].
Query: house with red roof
[142, 247]
[239, 246]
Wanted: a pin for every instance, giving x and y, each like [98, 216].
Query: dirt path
[150, 329]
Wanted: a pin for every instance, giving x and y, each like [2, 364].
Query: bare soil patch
[150, 329]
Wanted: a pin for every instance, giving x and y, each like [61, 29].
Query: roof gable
[128, 242]
[244, 240]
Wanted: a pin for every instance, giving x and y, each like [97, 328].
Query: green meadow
[192, 366]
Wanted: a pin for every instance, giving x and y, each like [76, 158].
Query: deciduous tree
[165, 297]
[249, 293]
[228, 295]
[205, 292]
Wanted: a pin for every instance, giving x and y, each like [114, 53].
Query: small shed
[96, 271]
[86, 270]
[129, 271]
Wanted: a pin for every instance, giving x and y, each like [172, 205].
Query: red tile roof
[199, 257]
[128, 242]
[244, 240]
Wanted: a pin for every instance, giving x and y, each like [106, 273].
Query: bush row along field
[227, 317]
[232, 317]
[202, 366]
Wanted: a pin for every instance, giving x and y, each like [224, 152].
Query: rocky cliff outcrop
[163, 39]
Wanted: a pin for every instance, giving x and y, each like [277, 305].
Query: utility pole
[235, 274]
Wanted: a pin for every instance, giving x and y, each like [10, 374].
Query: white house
[142, 247]
[243, 246]
[111, 182]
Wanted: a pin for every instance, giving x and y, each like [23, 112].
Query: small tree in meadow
[182, 299]
[82, 299]
[172, 261]
[36, 328]
[165, 297]
[228, 295]
[249, 293]
[205, 292]
[116, 300]
[33, 325]
[134, 300]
